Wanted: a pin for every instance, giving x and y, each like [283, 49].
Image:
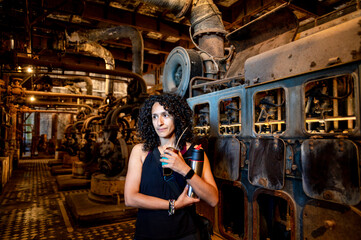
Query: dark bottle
[168, 171]
[195, 161]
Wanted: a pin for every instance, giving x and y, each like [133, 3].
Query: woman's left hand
[175, 162]
[184, 201]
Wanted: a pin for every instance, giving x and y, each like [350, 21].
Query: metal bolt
[327, 195]
[329, 224]
[263, 182]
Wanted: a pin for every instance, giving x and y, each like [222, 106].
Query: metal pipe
[70, 105]
[87, 80]
[71, 67]
[98, 50]
[209, 82]
[12, 43]
[81, 122]
[335, 102]
[179, 7]
[46, 111]
[108, 117]
[115, 114]
[206, 22]
[115, 33]
[124, 32]
[88, 121]
[279, 109]
[62, 95]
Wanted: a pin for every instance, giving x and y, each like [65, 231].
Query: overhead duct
[86, 79]
[116, 33]
[98, 50]
[207, 32]
[92, 36]
[178, 7]
[208, 27]
[206, 22]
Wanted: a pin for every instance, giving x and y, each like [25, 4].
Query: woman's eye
[154, 117]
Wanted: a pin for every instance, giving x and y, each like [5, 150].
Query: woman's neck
[168, 142]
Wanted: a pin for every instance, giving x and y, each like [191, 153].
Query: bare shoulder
[138, 152]
[138, 147]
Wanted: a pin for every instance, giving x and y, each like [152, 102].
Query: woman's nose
[160, 120]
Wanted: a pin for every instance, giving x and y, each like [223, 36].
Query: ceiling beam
[153, 45]
[95, 11]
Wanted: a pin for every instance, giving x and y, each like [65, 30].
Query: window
[270, 112]
[230, 116]
[201, 119]
[330, 105]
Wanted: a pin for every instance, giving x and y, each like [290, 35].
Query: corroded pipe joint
[98, 50]
[178, 7]
[206, 18]
[123, 32]
[115, 33]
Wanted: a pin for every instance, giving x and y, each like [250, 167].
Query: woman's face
[163, 122]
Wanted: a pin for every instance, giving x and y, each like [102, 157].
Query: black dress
[157, 224]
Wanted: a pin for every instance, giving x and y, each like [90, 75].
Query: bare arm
[205, 187]
[134, 198]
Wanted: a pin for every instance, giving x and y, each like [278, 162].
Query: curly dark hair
[177, 107]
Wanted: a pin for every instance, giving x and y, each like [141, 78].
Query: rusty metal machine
[280, 119]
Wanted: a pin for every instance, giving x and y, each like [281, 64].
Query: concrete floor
[31, 207]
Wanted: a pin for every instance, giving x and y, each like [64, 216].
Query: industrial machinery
[276, 107]
[279, 116]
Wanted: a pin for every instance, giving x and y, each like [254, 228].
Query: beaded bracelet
[171, 209]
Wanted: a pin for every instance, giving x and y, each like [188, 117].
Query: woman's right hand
[184, 201]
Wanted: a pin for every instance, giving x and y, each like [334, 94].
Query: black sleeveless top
[157, 224]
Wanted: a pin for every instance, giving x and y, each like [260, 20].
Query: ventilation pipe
[179, 7]
[93, 36]
[206, 22]
[87, 80]
[116, 33]
[208, 28]
[97, 50]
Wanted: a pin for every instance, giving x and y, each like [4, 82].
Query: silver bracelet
[171, 209]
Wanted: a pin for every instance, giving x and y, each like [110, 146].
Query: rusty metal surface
[227, 158]
[322, 220]
[270, 25]
[267, 163]
[233, 215]
[273, 198]
[271, 31]
[311, 53]
[330, 169]
[107, 186]
[236, 68]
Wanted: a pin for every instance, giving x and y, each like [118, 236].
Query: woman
[164, 212]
